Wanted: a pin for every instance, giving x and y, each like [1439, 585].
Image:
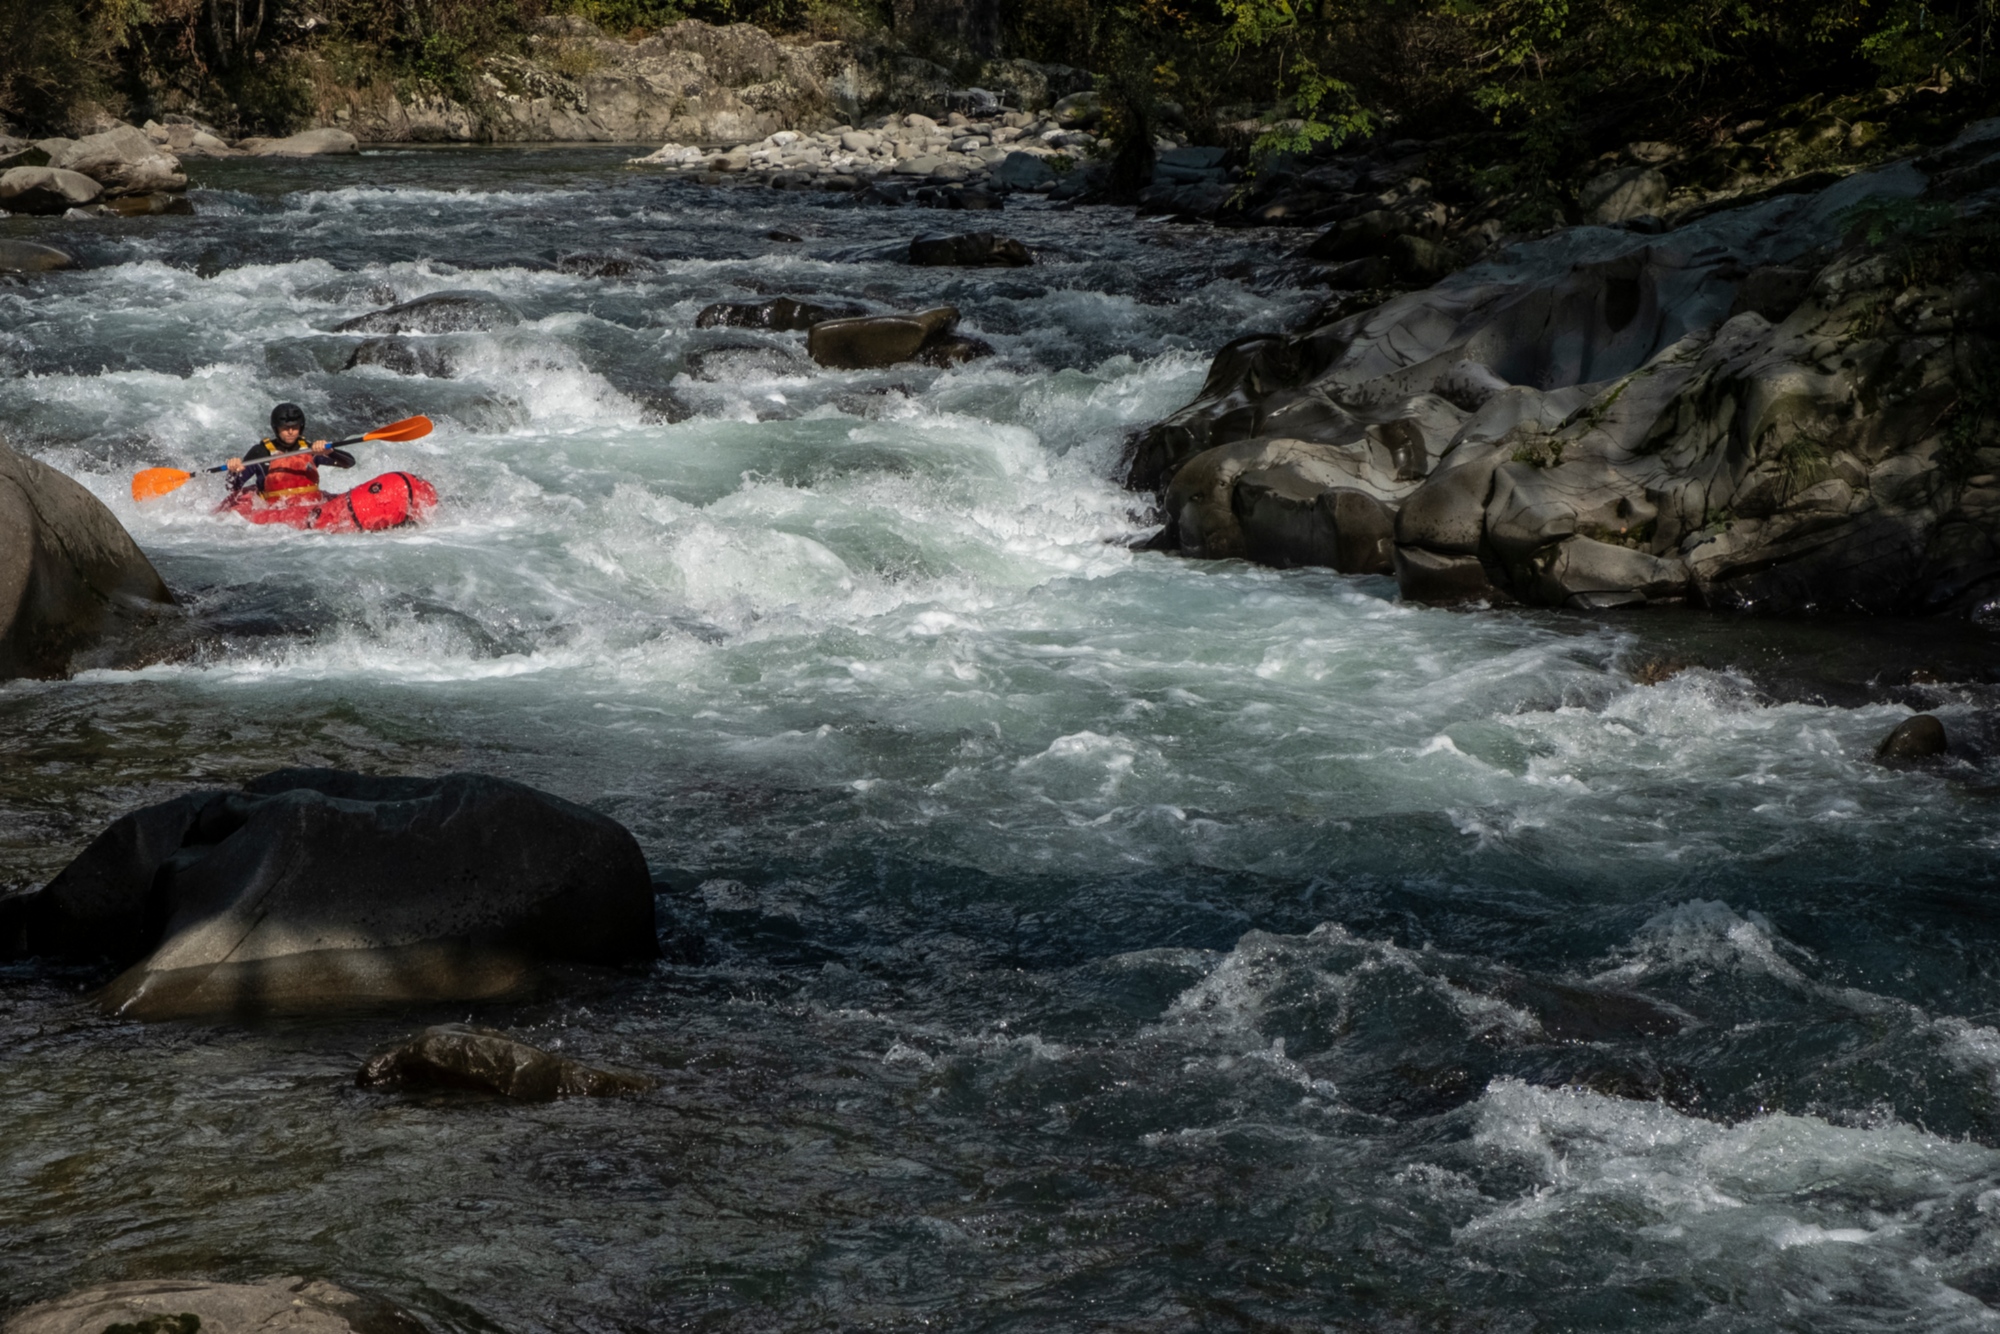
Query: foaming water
[1092, 938]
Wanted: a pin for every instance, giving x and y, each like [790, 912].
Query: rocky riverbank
[689, 82]
[1783, 406]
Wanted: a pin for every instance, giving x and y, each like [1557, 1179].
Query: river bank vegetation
[1556, 76]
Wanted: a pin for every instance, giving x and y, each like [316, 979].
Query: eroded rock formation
[1760, 409]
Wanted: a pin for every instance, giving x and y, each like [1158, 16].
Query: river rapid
[1063, 936]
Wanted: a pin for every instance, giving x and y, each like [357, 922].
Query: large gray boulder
[124, 160]
[46, 190]
[314, 888]
[69, 572]
[1614, 419]
[188, 1306]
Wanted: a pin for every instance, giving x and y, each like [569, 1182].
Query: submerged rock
[69, 572]
[440, 312]
[145, 206]
[1915, 738]
[779, 313]
[46, 190]
[184, 1306]
[27, 257]
[314, 888]
[401, 356]
[870, 341]
[971, 250]
[460, 1056]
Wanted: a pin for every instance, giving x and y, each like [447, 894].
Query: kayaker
[283, 468]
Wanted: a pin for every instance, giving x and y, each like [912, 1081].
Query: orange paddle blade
[410, 428]
[156, 482]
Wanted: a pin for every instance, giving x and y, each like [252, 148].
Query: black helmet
[288, 414]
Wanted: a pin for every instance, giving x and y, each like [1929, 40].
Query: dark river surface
[1094, 940]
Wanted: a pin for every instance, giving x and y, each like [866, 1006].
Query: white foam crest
[1708, 934]
[359, 198]
[1693, 1193]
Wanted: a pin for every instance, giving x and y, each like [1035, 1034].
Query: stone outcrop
[313, 888]
[460, 1056]
[186, 1306]
[70, 575]
[1756, 409]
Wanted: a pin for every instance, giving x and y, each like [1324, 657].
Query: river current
[1066, 937]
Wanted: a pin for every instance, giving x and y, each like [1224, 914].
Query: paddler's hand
[319, 447]
[236, 465]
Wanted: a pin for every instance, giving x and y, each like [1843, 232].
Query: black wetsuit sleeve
[253, 473]
[334, 458]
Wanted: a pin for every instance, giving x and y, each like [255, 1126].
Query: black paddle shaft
[331, 444]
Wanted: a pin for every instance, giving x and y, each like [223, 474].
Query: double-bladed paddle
[152, 483]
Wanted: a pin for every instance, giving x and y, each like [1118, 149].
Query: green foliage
[1802, 461]
[59, 54]
[633, 16]
[1543, 451]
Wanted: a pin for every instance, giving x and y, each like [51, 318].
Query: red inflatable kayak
[388, 501]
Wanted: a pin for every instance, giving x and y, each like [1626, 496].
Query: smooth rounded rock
[871, 341]
[124, 160]
[69, 572]
[1918, 738]
[27, 257]
[313, 889]
[46, 191]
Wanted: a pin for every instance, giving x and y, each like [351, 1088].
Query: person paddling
[283, 468]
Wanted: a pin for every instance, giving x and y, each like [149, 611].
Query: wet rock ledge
[1785, 407]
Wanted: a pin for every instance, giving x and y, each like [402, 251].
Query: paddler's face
[289, 435]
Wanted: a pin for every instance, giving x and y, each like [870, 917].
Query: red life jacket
[290, 476]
